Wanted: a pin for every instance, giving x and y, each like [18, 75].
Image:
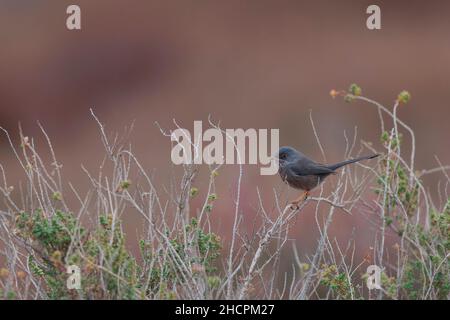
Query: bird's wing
[311, 168]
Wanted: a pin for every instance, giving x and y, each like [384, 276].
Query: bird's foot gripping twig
[295, 203]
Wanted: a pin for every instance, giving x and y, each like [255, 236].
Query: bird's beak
[275, 158]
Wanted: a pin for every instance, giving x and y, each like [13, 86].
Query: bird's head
[286, 155]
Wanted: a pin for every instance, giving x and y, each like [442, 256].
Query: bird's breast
[299, 182]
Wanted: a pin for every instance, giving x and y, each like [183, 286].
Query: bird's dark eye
[283, 156]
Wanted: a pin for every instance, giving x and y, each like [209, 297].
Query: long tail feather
[343, 163]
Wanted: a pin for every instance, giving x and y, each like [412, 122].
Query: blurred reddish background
[249, 64]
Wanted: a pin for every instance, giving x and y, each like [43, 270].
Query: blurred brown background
[249, 64]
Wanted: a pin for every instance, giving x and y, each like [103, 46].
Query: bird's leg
[302, 197]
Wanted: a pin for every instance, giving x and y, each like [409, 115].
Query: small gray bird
[300, 172]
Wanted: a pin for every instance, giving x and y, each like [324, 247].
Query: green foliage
[193, 192]
[393, 174]
[428, 256]
[214, 282]
[37, 271]
[431, 258]
[404, 96]
[208, 246]
[57, 196]
[108, 268]
[212, 197]
[125, 184]
[389, 284]
[10, 295]
[348, 98]
[355, 89]
[337, 281]
[54, 233]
